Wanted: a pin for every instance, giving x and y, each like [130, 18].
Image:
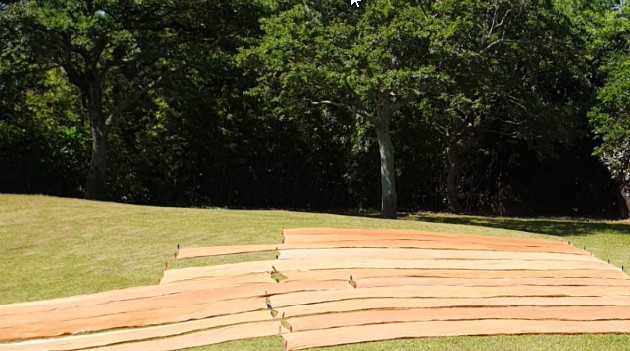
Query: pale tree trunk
[624, 193]
[95, 183]
[456, 152]
[380, 118]
[388, 172]
[454, 166]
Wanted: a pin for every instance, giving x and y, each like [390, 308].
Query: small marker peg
[352, 283]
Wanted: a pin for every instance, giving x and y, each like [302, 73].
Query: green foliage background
[232, 125]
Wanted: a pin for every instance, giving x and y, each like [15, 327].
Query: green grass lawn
[53, 247]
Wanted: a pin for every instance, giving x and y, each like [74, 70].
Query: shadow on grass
[558, 227]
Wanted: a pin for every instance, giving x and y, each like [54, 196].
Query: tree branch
[389, 107]
[496, 24]
[489, 46]
[134, 97]
[352, 109]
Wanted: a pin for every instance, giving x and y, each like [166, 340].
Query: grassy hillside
[55, 247]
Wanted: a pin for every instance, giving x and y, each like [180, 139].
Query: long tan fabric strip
[346, 263]
[405, 303]
[203, 338]
[302, 298]
[445, 244]
[81, 342]
[98, 320]
[572, 313]
[193, 252]
[376, 243]
[365, 273]
[495, 241]
[132, 294]
[410, 254]
[361, 273]
[295, 232]
[330, 238]
[355, 334]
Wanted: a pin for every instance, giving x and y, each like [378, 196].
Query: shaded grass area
[55, 247]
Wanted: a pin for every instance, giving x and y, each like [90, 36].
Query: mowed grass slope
[53, 247]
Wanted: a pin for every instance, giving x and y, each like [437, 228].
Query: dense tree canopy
[114, 52]
[463, 105]
[611, 116]
[369, 63]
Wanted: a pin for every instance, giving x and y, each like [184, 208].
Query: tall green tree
[116, 51]
[516, 71]
[369, 62]
[471, 66]
[610, 117]
[41, 134]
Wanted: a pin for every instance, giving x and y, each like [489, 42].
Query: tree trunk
[454, 164]
[388, 172]
[95, 184]
[624, 193]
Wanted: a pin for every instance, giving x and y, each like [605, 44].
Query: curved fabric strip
[572, 313]
[346, 263]
[411, 253]
[224, 250]
[203, 338]
[365, 273]
[294, 232]
[405, 303]
[446, 244]
[153, 310]
[464, 282]
[81, 342]
[50, 325]
[303, 298]
[372, 243]
[330, 238]
[355, 334]
[130, 294]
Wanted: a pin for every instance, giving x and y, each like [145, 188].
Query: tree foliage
[611, 116]
[305, 104]
[369, 63]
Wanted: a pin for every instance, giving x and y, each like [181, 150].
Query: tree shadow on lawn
[560, 227]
